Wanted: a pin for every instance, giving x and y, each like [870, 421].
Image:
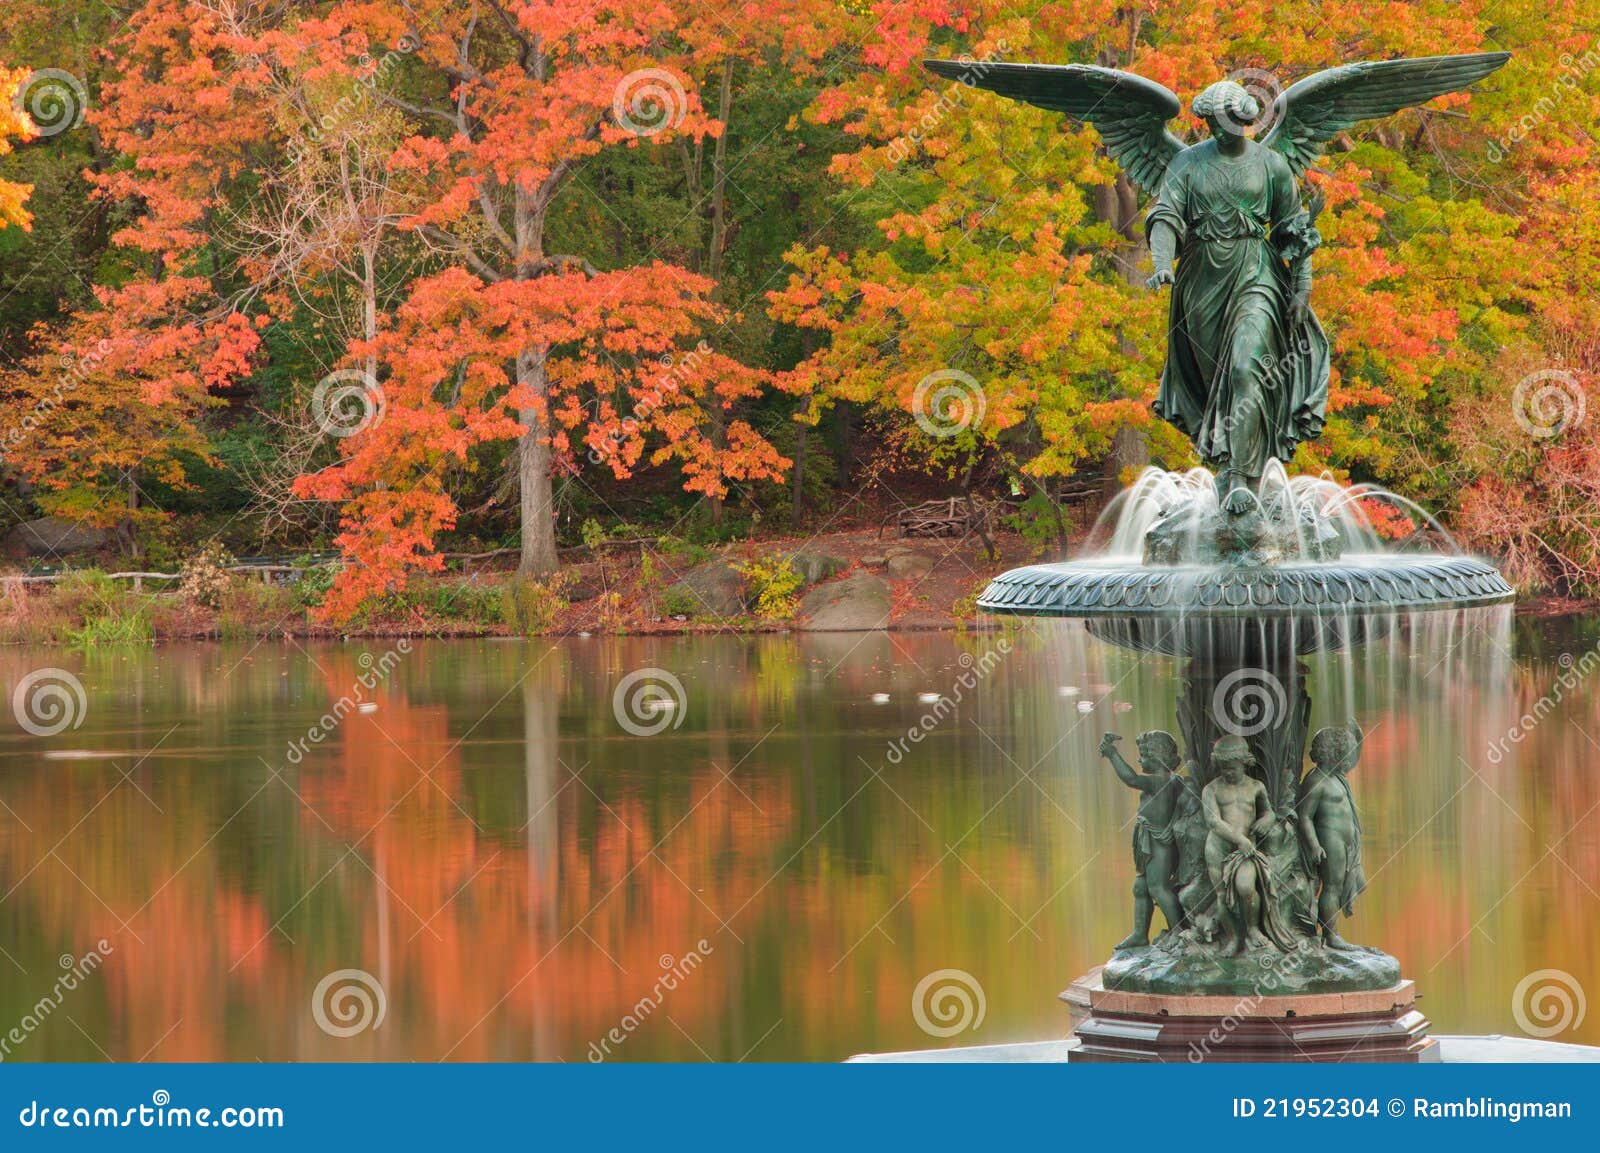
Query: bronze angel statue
[1246, 376]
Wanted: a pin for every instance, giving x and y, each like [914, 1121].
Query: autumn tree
[320, 237]
[114, 397]
[1511, 438]
[14, 125]
[543, 346]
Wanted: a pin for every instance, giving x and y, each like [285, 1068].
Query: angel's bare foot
[1238, 501]
[1333, 941]
[1134, 941]
[1257, 940]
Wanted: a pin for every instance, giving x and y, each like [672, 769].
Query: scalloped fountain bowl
[1164, 560]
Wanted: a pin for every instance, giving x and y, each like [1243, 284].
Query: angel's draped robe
[1238, 381]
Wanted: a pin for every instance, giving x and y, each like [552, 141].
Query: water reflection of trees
[514, 867]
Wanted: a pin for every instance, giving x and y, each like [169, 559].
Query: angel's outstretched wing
[1309, 114]
[1130, 111]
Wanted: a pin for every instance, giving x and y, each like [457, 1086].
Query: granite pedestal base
[1372, 1025]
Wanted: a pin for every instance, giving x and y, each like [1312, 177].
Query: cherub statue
[1330, 829]
[1155, 848]
[1238, 814]
[1246, 376]
[1195, 895]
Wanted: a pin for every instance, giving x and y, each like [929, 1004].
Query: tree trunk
[1129, 450]
[1117, 204]
[533, 476]
[797, 478]
[133, 529]
[719, 238]
[844, 430]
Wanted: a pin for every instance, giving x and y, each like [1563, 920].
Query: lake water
[218, 830]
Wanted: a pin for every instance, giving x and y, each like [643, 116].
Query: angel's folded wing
[1309, 114]
[1130, 112]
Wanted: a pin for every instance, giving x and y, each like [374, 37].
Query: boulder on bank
[53, 536]
[858, 603]
[905, 564]
[714, 589]
[816, 566]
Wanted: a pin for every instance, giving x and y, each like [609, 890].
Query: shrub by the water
[204, 579]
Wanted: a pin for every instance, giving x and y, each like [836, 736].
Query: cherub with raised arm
[1155, 848]
[1330, 828]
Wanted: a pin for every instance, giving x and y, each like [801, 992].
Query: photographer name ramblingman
[1488, 1107]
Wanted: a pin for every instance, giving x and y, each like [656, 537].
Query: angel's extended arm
[1166, 224]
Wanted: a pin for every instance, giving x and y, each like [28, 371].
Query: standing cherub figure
[1330, 828]
[1155, 848]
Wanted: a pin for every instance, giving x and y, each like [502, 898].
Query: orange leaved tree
[512, 340]
[13, 125]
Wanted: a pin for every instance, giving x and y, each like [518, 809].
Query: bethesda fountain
[1251, 858]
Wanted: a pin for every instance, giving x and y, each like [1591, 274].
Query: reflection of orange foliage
[167, 975]
[517, 906]
[477, 929]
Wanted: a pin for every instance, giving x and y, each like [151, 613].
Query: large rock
[907, 564]
[858, 603]
[714, 589]
[52, 536]
[816, 566]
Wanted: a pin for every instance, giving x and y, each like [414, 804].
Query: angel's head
[1226, 108]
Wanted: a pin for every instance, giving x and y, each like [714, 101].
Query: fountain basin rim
[1381, 584]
